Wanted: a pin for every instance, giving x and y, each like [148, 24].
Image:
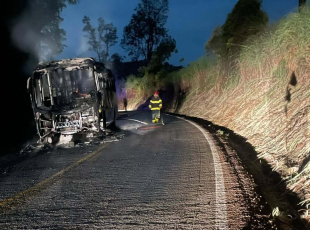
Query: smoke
[26, 39]
[24, 35]
[29, 32]
[83, 48]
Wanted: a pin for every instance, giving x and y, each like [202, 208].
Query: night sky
[190, 23]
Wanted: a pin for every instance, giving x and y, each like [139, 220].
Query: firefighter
[155, 106]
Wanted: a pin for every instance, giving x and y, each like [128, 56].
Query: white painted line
[137, 121]
[221, 210]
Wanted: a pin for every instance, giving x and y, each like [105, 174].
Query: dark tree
[116, 58]
[216, 43]
[101, 40]
[93, 41]
[116, 64]
[146, 29]
[302, 3]
[247, 18]
[161, 54]
[107, 34]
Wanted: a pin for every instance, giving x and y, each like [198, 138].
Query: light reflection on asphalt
[135, 122]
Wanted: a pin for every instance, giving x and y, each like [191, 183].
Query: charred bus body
[72, 96]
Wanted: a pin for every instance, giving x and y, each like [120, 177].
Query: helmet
[156, 93]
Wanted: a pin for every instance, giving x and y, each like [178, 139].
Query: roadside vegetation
[259, 87]
[263, 95]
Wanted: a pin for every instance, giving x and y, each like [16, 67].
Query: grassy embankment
[263, 95]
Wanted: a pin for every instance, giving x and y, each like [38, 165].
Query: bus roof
[69, 64]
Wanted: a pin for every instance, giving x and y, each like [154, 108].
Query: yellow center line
[23, 196]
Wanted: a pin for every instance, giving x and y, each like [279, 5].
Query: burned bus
[72, 96]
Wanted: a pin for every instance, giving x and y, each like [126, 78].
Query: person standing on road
[125, 103]
[155, 106]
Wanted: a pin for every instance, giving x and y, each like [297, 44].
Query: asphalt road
[155, 177]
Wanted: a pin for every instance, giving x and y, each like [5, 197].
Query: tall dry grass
[263, 95]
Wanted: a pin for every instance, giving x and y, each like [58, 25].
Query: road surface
[155, 177]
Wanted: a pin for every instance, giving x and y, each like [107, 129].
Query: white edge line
[221, 209]
[137, 121]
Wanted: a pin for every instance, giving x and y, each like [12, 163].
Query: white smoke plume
[28, 38]
[83, 48]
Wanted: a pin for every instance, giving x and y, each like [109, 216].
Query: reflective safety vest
[155, 103]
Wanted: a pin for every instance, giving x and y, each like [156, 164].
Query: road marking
[22, 196]
[152, 127]
[137, 121]
[221, 209]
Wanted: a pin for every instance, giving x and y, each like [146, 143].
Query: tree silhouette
[302, 3]
[161, 54]
[247, 18]
[146, 29]
[101, 40]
